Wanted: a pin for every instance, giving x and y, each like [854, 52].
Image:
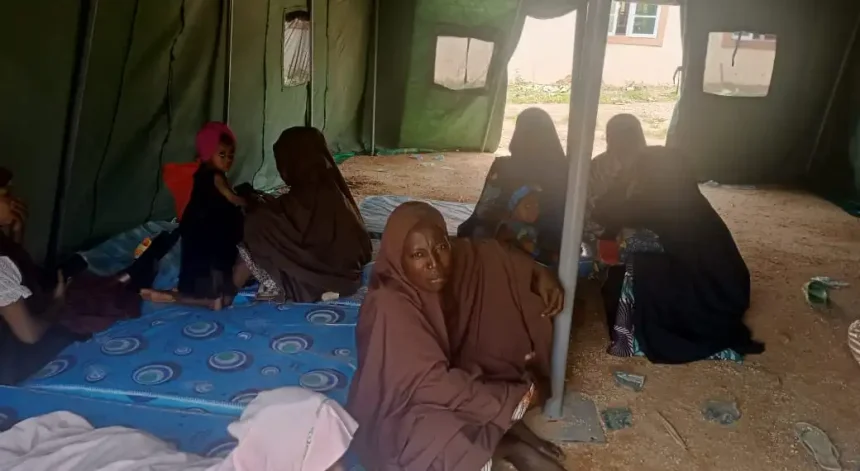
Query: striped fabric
[518, 414]
[854, 340]
[11, 289]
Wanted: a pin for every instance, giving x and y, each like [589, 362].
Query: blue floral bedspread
[203, 361]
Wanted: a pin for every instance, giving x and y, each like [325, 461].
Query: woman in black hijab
[692, 287]
[537, 159]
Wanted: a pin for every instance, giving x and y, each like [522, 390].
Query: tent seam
[265, 89]
[117, 106]
[168, 101]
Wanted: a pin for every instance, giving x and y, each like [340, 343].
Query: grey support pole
[584, 100]
[373, 105]
[311, 11]
[228, 63]
[73, 125]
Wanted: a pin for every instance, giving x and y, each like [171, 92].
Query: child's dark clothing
[525, 236]
[211, 228]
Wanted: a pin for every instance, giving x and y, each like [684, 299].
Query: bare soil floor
[806, 374]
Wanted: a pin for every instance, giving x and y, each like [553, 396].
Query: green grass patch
[524, 93]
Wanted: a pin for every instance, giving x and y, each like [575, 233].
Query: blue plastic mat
[216, 362]
[376, 209]
[117, 253]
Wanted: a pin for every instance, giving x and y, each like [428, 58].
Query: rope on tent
[265, 90]
[737, 46]
[168, 104]
[114, 116]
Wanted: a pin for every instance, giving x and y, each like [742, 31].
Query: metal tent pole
[311, 11]
[73, 125]
[373, 105]
[584, 100]
[228, 65]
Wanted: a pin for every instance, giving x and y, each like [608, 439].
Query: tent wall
[768, 139]
[438, 118]
[416, 113]
[835, 166]
[38, 59]
[155, 75]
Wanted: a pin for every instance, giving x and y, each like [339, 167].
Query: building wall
[545, 53]
[752, 67]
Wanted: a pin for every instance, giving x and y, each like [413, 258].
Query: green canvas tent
[99, 94]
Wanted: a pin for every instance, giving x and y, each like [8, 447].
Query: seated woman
[453, 343]
[311, 240]
[691, 287]
[43, 312]
[537, 160]
[625, 139]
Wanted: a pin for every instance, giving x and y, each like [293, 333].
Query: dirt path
[807, 372]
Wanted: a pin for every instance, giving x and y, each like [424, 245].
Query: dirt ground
[806, 374]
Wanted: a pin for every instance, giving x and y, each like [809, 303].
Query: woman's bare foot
[527, 435]
[523, 456]
[216, 304]
[156, 296]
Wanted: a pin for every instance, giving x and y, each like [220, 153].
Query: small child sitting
[211, 226]
[519, 229]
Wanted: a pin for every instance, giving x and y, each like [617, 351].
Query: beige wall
[545, 53]
[753, 66]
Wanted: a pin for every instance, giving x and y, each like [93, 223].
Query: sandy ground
[806, 374]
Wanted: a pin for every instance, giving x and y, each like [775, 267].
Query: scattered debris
[417, 156]
[427, 164]
[724, 413]
[819, 446]
[439, 157]
[670, 429]
[445, 167]
[617, 418]
[630, 381]
[817, 290]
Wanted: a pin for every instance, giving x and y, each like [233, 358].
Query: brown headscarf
[311, 240]
[440, 375]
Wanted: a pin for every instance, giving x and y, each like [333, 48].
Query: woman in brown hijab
[311, 240]
[452, 340]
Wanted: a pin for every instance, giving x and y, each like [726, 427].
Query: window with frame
[634, 19]
[462, 63]
[733, 70]
[749, 40]
[296, 62]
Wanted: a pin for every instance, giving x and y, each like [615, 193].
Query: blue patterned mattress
[210, 362]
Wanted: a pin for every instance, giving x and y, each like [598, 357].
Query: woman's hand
[60, 288]
[20, 212]
[546, 285]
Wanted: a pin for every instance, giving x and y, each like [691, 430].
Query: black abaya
[689, 300]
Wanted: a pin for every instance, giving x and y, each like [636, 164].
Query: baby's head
[216, 145]
[525, 205]
[224, 156]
